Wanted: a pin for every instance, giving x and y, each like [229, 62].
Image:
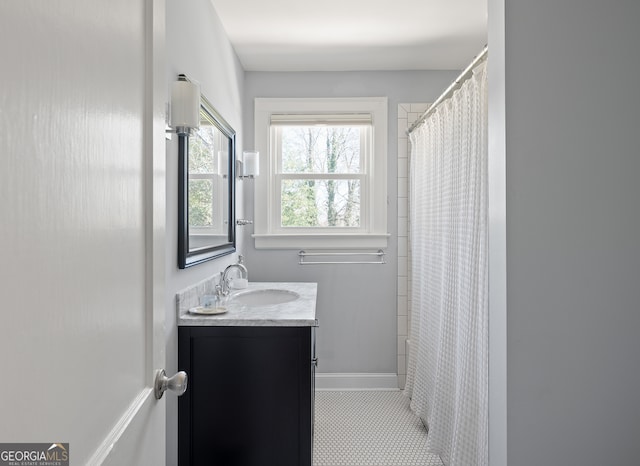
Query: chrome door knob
[177, 383]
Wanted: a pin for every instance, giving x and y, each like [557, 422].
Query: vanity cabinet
[250, 396]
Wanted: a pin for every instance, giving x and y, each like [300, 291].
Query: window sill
[319, 241]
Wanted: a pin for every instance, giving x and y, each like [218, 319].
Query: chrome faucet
[224, 276]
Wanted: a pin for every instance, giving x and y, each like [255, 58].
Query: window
[323, 173]
[207, 170]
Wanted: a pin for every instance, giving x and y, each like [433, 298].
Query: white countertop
[298, 313]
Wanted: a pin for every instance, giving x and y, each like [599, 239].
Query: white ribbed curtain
[447, 377]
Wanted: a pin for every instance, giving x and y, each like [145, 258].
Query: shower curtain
[448, 361]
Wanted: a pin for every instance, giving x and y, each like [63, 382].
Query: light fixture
[185, 106]
[250, 164]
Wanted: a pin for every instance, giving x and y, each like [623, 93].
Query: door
[82, 227]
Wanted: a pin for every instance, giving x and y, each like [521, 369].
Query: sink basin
[264, 297]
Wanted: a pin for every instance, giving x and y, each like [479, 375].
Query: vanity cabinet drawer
[250, 396]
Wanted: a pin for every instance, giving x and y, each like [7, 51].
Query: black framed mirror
[206, 189]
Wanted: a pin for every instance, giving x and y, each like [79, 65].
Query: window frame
[372, 233]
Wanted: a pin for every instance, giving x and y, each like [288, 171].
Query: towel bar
[303, 254]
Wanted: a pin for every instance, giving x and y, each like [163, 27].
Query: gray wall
[572, 230]
[356, 304]
[197, 46]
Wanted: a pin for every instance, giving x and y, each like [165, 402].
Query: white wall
[572, 229]
[356, 304]
[198, 47]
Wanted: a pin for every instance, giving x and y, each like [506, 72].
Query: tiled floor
[368, 428]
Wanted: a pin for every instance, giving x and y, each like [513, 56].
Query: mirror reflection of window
[208, 172]
[206, 226]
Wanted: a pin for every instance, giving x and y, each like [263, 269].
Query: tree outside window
[331, 197]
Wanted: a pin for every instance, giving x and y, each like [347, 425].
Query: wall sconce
[185, 106]
[250, 167]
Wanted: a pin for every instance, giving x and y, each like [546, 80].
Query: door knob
[177, 383]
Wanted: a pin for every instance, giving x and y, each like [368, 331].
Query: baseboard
[356, 381]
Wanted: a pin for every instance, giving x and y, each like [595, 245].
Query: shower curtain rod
[454, 85]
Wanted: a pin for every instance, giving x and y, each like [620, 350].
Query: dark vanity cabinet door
[250, 396]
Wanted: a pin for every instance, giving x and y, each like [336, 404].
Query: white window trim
[375, 236]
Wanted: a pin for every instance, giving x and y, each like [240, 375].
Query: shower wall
[408, 113]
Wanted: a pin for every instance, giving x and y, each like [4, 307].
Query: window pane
[321, 149]
[200, 203]
[320, 203]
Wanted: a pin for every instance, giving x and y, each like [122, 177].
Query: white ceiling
[349, 35]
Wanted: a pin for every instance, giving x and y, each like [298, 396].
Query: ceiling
[350, 35]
